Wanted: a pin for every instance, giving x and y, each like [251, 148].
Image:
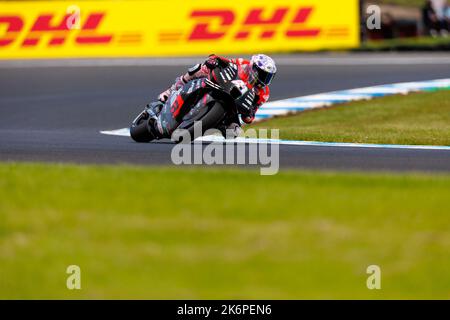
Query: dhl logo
[204, 25]
[217, 24]
[58, 30]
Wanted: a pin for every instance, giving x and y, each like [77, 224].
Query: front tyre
[139, 130]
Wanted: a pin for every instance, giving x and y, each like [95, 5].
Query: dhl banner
[49, 29]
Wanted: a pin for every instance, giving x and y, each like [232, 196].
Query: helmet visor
[262, 77]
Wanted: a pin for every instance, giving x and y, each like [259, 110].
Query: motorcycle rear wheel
[209, 120]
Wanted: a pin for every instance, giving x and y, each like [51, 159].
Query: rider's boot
[231, 130]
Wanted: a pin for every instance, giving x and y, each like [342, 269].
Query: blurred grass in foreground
[418, 118]
[207, 233]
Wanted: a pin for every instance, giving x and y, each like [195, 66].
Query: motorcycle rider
[257, 73]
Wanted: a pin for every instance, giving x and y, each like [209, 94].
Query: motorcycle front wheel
[139, 130]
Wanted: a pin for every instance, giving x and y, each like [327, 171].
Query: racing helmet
[262, 70]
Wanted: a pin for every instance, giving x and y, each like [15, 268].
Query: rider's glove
[179, 82]
[211, 63]
[163, 96]
[216, 61]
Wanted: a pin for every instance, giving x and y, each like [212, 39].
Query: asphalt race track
[53, 110]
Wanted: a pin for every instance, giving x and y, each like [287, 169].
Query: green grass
[408, 3]
[420, 118]
[416, 43]
[190, 233]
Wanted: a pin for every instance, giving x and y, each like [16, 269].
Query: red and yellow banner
[173, 28]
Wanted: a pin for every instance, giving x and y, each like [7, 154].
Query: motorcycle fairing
[179, 105]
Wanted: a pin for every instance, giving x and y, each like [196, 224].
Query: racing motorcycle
[215, 102]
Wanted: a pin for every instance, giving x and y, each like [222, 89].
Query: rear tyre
[209, 120]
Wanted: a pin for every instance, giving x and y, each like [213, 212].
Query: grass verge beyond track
[419, 118]
[190, 233]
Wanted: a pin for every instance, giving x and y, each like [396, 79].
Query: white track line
[319, 144]
[125, 132]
